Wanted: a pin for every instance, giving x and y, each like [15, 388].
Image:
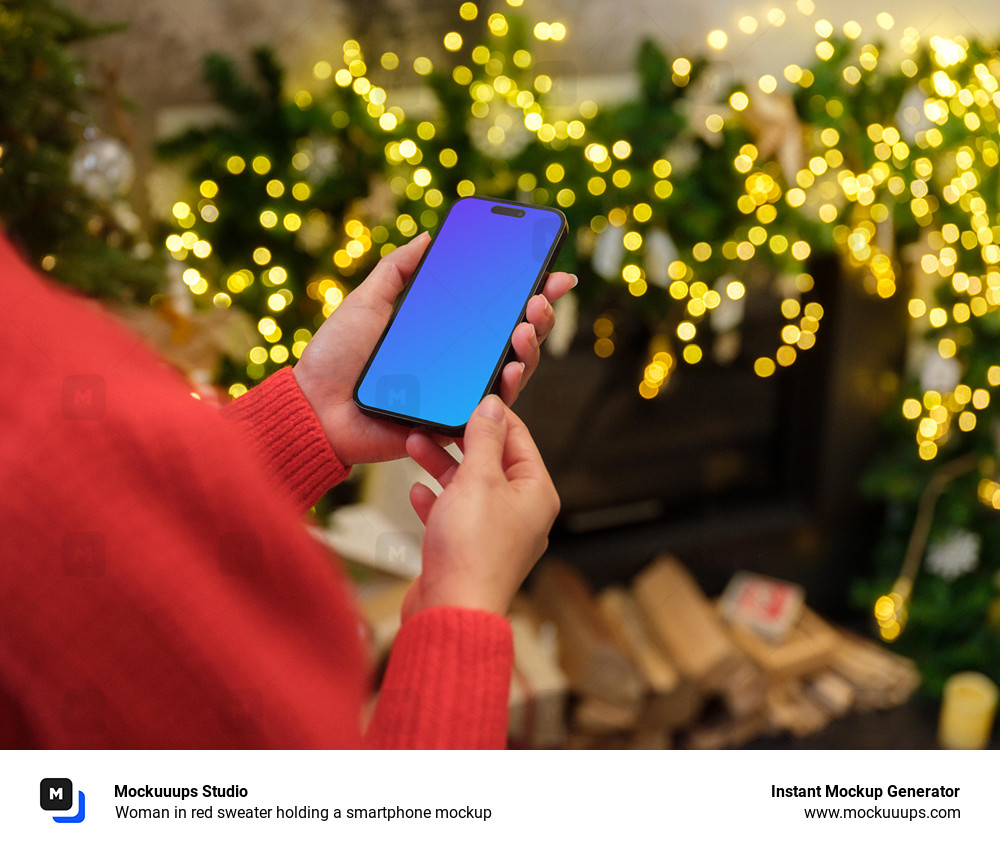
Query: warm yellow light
[927, 450]
[692, 353]
[967, 421]
[801, 250]
[631, 273]
[947, 347]
[621, 149]
[764, 367]
[686, 331]
[785, 356]
[717, 39]
[739, 101]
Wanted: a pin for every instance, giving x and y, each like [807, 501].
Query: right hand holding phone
[490, 525]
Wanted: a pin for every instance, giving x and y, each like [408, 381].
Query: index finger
[557, 285]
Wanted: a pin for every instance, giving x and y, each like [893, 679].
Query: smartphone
[449, 337]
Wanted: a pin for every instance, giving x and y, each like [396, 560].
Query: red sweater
[157, 585]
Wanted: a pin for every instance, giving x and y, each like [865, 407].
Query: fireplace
[724, 469]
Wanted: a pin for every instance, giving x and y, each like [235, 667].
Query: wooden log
[880, 678]
[670, 700]
[746, 691]
[789, 709]
[538, 688]
[807, 649]
[596, 664]
[833, 692]
[651, 738]
[596, 716]
[686, 624]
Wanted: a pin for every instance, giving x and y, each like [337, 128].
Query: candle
[970, 701]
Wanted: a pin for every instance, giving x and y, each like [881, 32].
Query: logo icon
[56, 795]
[398, 393]
[84, 397]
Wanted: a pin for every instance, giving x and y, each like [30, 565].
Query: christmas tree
[63, 183]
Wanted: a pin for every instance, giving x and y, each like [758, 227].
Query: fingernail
[576, 280]
[491, 407]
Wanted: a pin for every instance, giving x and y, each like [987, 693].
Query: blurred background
[768, 406]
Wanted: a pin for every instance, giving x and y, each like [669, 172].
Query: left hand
[332, 362]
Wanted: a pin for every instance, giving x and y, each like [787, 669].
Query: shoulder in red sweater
[159, 589]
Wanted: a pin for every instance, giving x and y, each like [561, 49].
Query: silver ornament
[103, 167]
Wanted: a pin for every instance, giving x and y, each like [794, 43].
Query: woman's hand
[490, 525]
[332, 362]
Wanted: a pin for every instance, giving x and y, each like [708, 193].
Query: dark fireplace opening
[723, 468]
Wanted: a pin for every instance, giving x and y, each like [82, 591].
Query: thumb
[485, 435]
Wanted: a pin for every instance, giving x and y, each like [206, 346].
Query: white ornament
[103, 167]
[683, 156]
[940, 374]
[608, 253]
[501, 134]
[910, 117]
[560, 338]
[323, 157]
[954, 556]
[178, 292]
[660, 253]
[729, 314]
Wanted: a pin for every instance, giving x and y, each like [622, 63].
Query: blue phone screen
[436, 360]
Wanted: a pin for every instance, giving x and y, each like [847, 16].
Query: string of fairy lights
[929, 168]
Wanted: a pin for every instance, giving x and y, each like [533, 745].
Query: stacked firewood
[659, 664]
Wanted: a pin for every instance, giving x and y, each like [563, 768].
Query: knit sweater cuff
[283, 427]
[447, 683]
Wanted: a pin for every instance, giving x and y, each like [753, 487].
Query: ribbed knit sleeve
[447, 683]
[286, 433]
